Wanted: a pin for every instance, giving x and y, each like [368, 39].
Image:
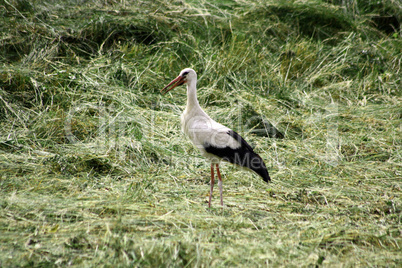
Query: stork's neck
[192, 101]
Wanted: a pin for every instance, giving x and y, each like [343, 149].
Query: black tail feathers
[257, 165]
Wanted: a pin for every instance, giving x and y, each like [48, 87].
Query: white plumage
[214, 140]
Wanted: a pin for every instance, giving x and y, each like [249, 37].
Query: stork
[215, 141]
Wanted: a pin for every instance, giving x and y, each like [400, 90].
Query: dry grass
[94, 169]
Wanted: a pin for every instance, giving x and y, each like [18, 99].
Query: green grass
[94, 169]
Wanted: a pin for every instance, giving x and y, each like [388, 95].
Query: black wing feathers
[243, 156]
[240, 139]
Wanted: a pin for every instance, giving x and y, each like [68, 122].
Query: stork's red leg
[212, 185]
[219, 182]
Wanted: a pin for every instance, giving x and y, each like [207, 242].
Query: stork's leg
[212, 184]
[219, 182]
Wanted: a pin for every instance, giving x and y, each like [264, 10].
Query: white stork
[215, 141]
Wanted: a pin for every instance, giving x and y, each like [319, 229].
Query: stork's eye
[185, 73]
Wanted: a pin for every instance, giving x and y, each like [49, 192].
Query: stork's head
[186, 76]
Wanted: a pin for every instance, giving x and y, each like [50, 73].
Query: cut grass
[94, 169]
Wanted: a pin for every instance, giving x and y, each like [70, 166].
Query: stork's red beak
[178, 81]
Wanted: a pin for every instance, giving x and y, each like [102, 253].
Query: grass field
[94, 169]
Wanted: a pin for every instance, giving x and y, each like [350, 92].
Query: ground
[94, 168]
